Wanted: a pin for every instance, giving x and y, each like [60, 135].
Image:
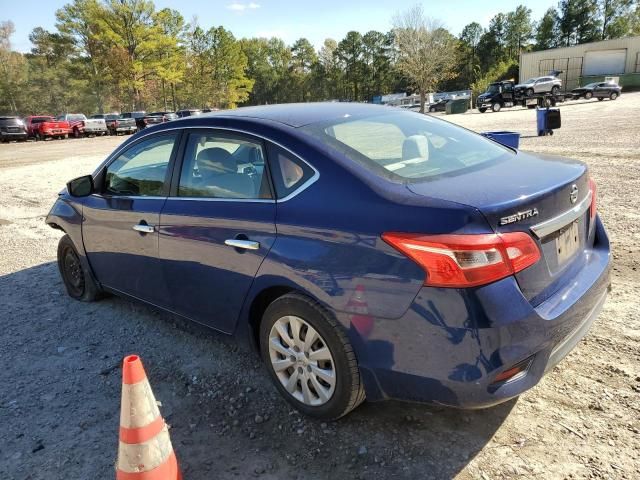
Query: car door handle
[244, 244]
[142, 228]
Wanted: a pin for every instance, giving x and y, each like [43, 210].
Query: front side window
[142, 169]
[403, 146]
[223, 166]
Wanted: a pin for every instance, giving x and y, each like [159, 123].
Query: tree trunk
[422, 100]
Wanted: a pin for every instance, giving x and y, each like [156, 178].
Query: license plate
[567, 243]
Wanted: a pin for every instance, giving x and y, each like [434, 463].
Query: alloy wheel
[302, 361]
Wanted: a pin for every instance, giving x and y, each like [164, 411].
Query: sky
[287, 19]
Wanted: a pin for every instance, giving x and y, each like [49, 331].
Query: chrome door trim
[314, 178]
[547, 227]
[244, 244]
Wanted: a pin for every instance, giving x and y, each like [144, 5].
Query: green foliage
[503, 70]
[117, 55]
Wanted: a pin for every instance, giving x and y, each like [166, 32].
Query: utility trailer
[503, 94]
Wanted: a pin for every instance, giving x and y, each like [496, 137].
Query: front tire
[496, 107]
[482, 109]
[529, 92]
[588, 95]
[77, 280]
[309, 358]
[555, 89]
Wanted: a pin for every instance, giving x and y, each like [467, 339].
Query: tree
[491, 48]
[303, 57]
[349, 53]
[170, 66]
[547, 31]
[518, 30]
[579, 21]
[13, 71]
[426, 51]
[617, 18]
[468, 51]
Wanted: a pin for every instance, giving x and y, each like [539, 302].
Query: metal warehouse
[589, 62]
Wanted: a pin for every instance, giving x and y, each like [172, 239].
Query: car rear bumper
[13, 135]
[450, 345]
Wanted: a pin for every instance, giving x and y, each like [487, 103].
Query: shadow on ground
[61, 414]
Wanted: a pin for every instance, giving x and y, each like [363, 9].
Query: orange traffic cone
[144, 451]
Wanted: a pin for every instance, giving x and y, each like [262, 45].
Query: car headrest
[415, 146]
[217, 160]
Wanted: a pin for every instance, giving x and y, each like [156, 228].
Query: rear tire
[600, 99]
[496, 107]
[285, 328]
[432, 109]
[613, 96]
[555, 89]
[76, 133]
[77, 280]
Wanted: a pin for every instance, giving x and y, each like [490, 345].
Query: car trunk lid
[547, 197]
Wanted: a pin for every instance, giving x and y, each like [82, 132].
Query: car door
[217, 226]
[601, 90]
[542, 85]
[120, 227]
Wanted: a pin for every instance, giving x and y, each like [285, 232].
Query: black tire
[555, 89]
[38, 136]
[432, 109]
[349, 390]
[531, 107]
[496, 107]
[529, 92]
[613, 96]
[76, 133]
[77, 280]
[600, 99]
[588, 95]
[482, 109]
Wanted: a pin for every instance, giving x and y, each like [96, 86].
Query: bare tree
[426, 51]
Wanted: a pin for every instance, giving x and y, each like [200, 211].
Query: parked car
[599, 90]
[42, 126]
[439, 106]
[188, 112]
[365, 251]
[166, 116]
[116, 124]
[137, 116]
[549, 83]
[80, 125]
[12, 128]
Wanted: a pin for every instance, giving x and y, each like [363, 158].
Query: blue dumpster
[509, 139]
[547, 119]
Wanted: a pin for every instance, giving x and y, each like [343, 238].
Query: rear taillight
[467, 260]
[592, 208]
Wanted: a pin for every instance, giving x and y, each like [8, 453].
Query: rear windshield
[41, 119]
[76, 117]
[407, 146]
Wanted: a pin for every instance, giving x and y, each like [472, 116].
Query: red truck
[42, 126]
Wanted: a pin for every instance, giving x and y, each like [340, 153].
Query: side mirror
[81, 186]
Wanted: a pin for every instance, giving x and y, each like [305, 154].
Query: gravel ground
[59, 401]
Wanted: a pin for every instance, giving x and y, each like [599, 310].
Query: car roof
[300, 114]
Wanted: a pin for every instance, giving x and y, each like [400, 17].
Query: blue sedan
[364, 251]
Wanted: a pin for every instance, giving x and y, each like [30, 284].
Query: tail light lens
[592, 208]
[461, 261]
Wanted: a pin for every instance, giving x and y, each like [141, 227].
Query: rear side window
[223, 166]
[288, 171]
[142, 169]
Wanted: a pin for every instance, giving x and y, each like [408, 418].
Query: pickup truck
[81, 125]
[42, 126]
[137, 116]
[116, 124]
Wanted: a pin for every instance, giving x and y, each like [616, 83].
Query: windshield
[493, 88]
[591, 85]
[41, 119]
[531, 80]
[406, 145]
[76, 118]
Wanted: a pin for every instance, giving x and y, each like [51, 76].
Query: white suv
[547, 84]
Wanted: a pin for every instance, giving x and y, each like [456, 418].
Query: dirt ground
[60, 382]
